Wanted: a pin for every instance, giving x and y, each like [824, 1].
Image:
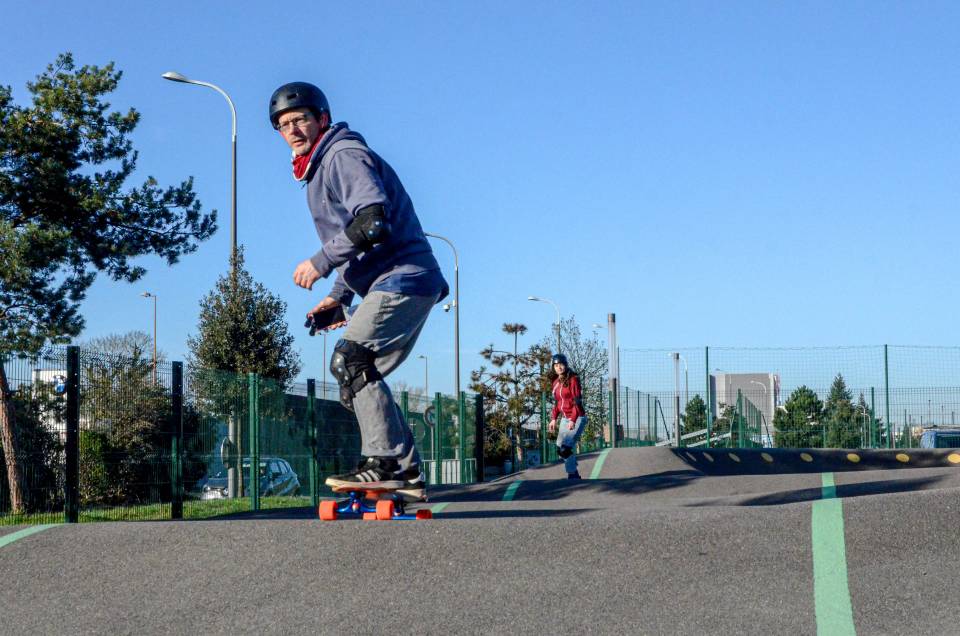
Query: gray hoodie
[351, 178]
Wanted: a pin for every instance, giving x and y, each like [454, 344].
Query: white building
[762, 389]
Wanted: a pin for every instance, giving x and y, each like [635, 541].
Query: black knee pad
[353, 366]
[564, 452]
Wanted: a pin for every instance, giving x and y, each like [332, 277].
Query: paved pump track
[655, 541]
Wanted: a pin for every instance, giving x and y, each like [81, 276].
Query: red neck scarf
[301, 163]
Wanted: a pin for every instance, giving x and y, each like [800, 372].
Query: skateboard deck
[367, 504]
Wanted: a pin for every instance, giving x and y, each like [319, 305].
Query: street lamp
[762, 386]
[426, 377]
[154, 296]
[173, 76]
[456, 310]
[544, 300]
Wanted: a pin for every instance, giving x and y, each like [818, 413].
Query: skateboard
[377, 505]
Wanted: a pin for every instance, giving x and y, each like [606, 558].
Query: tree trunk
[11, 447]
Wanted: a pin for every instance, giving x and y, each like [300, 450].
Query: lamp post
[597, 326]
[154, 296]
[233, 433]
[545, 300]
[173, 76]
[764, 387]
[426, 377]
[456, 310]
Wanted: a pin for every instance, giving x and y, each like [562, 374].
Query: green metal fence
[818, 397]
[110, 438]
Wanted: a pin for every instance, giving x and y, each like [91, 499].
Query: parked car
[940, 438]
[277, 478]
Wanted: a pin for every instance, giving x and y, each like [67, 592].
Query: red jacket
[568, 399]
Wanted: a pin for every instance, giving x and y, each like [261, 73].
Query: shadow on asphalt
[299, 514]
[814, 494]
[545, 490]
[772, 461]
[512, 514]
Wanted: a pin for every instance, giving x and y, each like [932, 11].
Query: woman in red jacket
[569, 406]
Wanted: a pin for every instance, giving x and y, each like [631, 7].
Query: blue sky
[741, 174]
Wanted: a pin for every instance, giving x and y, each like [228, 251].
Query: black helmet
[559, 358]
[297, 95]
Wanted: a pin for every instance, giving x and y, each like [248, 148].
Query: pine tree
[800, 423]
[694, 417]
[66, 216]
[242, 329]
[838, 413]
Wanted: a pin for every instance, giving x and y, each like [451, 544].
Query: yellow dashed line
[709, 457]
[691, 456]
[734, 457]
[853, 457]
[767, 457]
[806, 457]
[903, 457]
[954, 458]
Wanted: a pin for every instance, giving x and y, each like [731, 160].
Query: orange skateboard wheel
[328, 510]
[369, 516]
[385, 510]
[424, 514]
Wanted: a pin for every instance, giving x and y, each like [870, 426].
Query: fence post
[739, 419]
[253, 394]
[874, 433]
[72, 448]
[176, 441]
[611, 415]
[314, 446]
[706, 357]
[626, 415]
[543, 427]
[651, 436]
[461, 416]
[886, 390]
[479, 437]
[656, 423]
[438, 438]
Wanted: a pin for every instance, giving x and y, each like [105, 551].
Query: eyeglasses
[296, 122]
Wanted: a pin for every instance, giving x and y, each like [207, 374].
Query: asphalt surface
[659, 543]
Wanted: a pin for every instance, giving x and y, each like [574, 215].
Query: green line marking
[438, 508]
[598, 466]
[512, 490]
[26, 532]
[830, 589]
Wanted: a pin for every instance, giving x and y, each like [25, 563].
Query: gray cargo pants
[388, 324]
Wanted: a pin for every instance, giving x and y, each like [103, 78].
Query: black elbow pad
[369, 228]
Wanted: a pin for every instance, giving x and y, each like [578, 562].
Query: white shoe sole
[339, 484]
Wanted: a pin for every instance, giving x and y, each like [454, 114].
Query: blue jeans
[566, 437]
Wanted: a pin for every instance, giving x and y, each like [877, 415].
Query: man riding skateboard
[371, 237]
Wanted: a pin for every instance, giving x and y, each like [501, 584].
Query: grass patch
[192, 509]
[32, 519]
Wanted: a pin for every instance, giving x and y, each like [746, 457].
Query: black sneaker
[574, 475]
[414, 485]
[376, 473]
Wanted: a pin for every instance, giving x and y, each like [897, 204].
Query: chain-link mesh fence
[817, 397]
